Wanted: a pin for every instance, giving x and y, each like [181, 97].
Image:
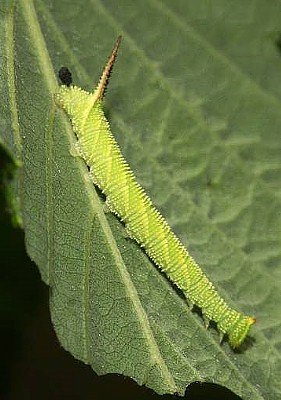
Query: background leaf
[194, 102]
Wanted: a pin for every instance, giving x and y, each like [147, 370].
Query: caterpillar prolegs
[127, 199]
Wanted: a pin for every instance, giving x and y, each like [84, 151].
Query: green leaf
[194, 102]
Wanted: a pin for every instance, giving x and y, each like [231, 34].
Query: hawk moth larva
[127, 199]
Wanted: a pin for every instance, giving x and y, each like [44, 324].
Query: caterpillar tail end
[240, 331]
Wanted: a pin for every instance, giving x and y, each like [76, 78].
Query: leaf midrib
[46, 67]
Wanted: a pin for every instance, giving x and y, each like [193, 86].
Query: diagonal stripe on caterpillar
[127, 199]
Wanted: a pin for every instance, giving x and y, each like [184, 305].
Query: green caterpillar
[127, 199]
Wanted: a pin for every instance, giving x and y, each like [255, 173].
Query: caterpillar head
[240, 330]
